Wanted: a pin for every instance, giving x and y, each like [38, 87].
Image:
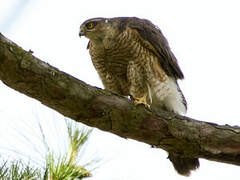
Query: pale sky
[204, 36]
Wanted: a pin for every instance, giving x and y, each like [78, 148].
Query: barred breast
[111, 58]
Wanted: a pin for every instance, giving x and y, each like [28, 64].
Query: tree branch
[99, 108]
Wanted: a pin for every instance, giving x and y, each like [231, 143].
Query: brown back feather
[154, 36]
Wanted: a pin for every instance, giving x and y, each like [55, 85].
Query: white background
[204, 36]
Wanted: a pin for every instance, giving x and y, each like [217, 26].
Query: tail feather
[184, 166]
[168, 96]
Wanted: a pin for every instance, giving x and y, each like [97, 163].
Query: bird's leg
[141, 100]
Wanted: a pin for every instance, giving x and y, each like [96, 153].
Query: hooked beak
[81, 33]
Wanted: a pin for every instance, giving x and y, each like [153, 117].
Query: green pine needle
[66, 166]
[18, 171]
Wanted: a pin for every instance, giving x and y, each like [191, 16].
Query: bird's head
[96, 28]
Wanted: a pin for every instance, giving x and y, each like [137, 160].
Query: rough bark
[99, 108]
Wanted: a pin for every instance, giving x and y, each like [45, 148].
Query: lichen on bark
[99, 108]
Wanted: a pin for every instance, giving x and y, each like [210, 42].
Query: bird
[133, 58]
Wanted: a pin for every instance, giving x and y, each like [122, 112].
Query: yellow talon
[142, 100]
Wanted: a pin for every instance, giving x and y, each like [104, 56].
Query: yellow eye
[90, 25]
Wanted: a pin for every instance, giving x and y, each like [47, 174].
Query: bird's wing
[158, 44]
